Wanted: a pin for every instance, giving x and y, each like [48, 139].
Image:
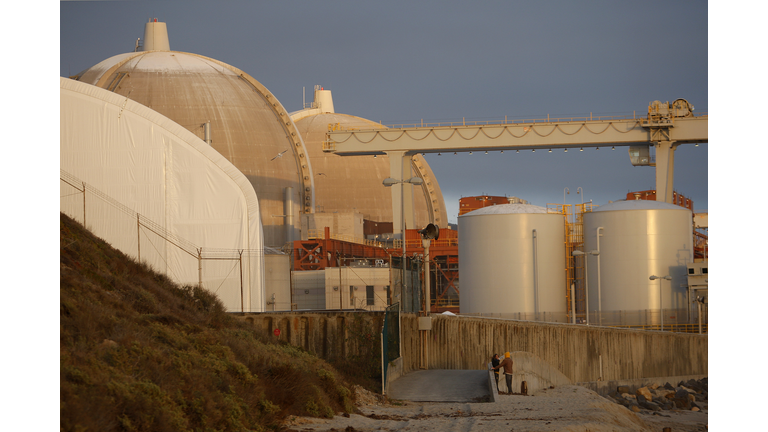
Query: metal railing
[505, 121]
[316, 234]
[449, 302]
[675, 328]
[416, 243]
[674, 319]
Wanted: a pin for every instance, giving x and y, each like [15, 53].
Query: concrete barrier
[394, 371]
[494, 389]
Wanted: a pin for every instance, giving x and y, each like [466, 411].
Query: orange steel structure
[468, 204]
[319, 253]
[650, 195]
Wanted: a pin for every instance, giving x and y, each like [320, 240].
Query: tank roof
[507, 209]
[638, 205]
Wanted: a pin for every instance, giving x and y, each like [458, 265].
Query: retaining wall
[325, 334]
[575, 350]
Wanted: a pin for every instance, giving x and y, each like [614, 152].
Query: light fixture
[613, 148]
[486, 152]
[697, 144]
[502, 151]
[470, 152]
[566, 151]
[550, 150]
[439, 154]
[534, 150]
[517, 151]
[597, 148]
[454, 152]
[581, 149]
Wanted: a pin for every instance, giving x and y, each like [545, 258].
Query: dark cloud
[399, 62]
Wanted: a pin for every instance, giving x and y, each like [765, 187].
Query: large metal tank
[512, 263]
[638, 239]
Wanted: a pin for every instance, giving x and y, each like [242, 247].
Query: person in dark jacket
[507, 365]
[495, 362]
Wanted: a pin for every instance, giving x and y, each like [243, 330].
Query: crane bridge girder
[665, 127]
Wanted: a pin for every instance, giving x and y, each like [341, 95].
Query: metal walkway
[442, 385]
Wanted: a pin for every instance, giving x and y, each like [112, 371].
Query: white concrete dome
[346, 182]
[248, 125]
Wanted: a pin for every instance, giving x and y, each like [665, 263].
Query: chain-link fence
[679, 320]
[390, 339]
[232, 274]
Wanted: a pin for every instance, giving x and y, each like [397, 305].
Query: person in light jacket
[507, 365]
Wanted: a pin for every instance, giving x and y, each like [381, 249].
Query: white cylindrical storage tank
[638, 239]
[512, 263]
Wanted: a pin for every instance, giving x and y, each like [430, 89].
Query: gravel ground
[566, 408]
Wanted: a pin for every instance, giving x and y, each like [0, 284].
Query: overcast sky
[401, 61]
[441, 61]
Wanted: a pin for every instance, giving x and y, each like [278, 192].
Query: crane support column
[665, 170]
[402, 194]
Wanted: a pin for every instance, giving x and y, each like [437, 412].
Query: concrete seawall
[581, 353]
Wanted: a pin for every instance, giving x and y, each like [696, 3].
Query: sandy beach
[566, 408]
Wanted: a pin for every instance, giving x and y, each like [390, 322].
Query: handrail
[315, 234]
[675, 328]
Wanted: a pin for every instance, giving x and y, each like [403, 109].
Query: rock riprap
[688, 395]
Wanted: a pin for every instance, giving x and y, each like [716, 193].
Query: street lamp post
[661, 308]
[388, 182]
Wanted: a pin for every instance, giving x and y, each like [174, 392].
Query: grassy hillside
[139, 353]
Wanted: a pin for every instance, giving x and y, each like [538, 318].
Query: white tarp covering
[198, 216]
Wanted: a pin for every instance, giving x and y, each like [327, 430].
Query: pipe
[599, 297]
[601, 368]
[427, 305]
[698, 305]
[573, 304]
[535, 276]
[288, 212]
[207, 129]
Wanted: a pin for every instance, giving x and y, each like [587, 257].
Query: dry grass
[139, 353]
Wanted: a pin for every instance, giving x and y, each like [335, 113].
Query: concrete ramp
[442, 385]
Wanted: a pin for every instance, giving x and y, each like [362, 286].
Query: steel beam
[512, 136]
[400, 143]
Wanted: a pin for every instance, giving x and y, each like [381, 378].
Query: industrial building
[267, 209]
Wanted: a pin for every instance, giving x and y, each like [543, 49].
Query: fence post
[138, 236]
[200, 268]
[84, 224]
[242, 305]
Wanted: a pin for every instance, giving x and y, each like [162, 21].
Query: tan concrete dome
[248, 125]
[346, 183]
